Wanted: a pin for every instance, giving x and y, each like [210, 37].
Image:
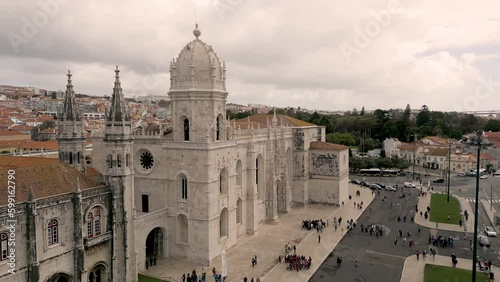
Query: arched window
[217, 129]
[127, 160]
[239, 211]
[223, 181]
[184, 187]
[119, 160]
[78, 157]
[257, 171]
[3, 246]
[110, 161]
[186, 129]
[98, 274]
[182, 229]
[52, 232]
[239, 173]
[97, 223]
[70, 157]
[94, 222]
[90, 225]
[223, 223]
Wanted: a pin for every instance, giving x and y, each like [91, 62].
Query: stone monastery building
[186, 192]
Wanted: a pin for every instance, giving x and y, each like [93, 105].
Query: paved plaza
[269, 243]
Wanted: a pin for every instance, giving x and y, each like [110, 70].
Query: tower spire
[118, 112]
[70, 108]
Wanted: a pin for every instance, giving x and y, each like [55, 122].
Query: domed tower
[198, 93]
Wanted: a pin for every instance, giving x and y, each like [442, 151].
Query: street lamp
[479, 143]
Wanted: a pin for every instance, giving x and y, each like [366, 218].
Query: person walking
[355, 267]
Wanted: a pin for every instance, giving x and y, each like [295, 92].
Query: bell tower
[71, 130]
[119, 175]
[198, 93]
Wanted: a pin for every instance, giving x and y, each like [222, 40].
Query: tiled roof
[438, 152]
[90, 171]
[437, 139]
[262, 120]
[327, 146]
[11, 133]
[12, 143]
[46, 145]
[47, 177]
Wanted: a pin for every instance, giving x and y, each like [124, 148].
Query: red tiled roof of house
[46, 176]
[327, 146]
[12, 143]
[46, 145]
[11, 133]
[90, 171]
[437, 152]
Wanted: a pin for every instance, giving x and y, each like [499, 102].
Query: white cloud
[282, 53]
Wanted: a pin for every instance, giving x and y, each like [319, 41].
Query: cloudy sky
[324, 54]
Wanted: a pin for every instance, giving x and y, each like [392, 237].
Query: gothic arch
[98, 272]
[185, 128]
[224, 223]
[60, 277]
[224, 181]
[260, 176]
[219, 128]
[239, 211]
[239, 173]
[154, 243]
[182, 229]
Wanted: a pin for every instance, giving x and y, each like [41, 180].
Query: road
[378, 258]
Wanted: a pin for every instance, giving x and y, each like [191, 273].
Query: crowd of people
[296, 262]
[317, 224]
[193, 277]
[440, 241]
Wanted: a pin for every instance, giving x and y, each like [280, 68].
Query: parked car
[409, 185]
[490, 231]
[390, 188]
[483, 241]
[357, 182]
[484, 176]
[461, 174]
[365, 184]
[439, 180]
[375, 187]
[497, 173]
[380, 184]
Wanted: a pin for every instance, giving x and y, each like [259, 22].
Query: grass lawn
[437, 273]
[144, 278]
[440, 208]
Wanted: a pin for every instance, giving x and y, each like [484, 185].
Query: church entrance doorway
[154, 244]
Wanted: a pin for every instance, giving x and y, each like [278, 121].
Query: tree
[382, 153]
[341, 138]
[315, 118]
[46, 124]
[423, 116]
[492, 125]
[53, 95]
[362, 113]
